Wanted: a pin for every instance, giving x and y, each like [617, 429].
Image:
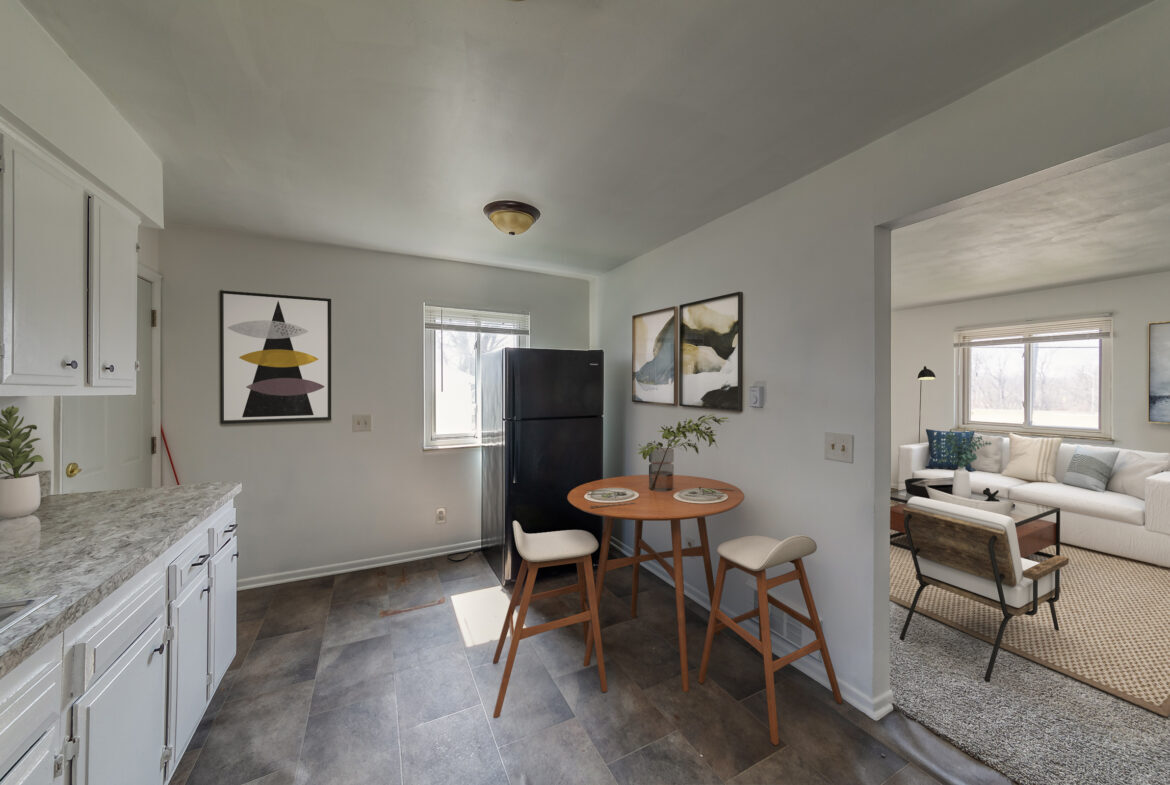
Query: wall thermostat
[756, 395]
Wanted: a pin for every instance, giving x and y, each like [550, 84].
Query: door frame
[155, 279]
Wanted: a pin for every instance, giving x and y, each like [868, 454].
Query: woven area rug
[1031, 723]
[1114, 624]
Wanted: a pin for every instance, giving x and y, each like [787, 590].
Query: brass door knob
[72, 470]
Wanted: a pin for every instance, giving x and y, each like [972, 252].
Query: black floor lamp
[925, 375]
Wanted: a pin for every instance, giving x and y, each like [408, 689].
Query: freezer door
[543, 383]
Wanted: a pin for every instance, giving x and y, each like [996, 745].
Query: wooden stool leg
[583, 592]
[517, 590]
[711, 625]
[816, 620]
[766, 651]
[680, 603]
[596, 623]
[602, 561]
[524, 600]
[637, 568]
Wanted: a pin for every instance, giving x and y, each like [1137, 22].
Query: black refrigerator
[541, 435]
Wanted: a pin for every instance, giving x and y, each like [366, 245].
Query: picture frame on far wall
[275, 358]
[1159, 372]
[654, 357]
[711, 353]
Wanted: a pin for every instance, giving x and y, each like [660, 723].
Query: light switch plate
[361, 423]
[839, 447]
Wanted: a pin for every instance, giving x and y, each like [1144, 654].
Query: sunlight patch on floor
[480, 614]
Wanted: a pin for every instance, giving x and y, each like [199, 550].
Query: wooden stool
[755, 554]
[550, 549]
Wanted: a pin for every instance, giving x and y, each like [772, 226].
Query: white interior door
[109, 437]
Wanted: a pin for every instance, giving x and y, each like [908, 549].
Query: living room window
[454, 340]
[1040, 377]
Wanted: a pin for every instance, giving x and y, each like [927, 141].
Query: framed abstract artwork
[654, 355]
[1160, 372]
[275, 362]
[711, 353]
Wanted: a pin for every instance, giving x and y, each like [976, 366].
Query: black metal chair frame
[1003, 606]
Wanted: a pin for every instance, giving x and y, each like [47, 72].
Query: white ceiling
[1107, 221]
[388, 124]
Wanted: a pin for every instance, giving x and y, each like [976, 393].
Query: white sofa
[1105, 521]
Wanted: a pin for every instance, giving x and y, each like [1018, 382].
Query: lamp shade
[925, 375]
[511, 217]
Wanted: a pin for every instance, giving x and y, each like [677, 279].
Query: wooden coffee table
[1037, 525]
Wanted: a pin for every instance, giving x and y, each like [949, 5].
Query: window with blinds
[1049, 377]
[454, 343]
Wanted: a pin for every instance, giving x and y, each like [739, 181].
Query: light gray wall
[315, 493]
[924, 336]
[814, 273]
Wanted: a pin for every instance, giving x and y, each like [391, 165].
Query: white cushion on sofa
[934, 474]
[1133, 467]
[1100, 504]
[1064, 457]
[996, 482]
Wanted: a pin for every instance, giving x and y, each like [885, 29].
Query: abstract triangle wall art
[275, 361]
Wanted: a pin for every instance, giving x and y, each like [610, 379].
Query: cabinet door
[120, 722]
[223, 611]
[113, 294]
[36, 767]
[43, 272]
[191, 620]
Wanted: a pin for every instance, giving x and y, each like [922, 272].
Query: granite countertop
[81, 547]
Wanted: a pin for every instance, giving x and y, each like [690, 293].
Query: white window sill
[442, 447]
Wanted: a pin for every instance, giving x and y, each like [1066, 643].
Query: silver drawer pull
[236, 555]
[161, 648]
[108, 368]
[206, 590]
[69, 364]
[230, 529]
[201, 560]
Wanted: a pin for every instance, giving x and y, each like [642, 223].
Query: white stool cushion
[553, 546]
[756, 552]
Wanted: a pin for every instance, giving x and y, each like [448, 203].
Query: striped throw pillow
[1033, 458]
[1091, 467]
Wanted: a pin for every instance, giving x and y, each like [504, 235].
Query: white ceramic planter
[961, 483]
[19, 496]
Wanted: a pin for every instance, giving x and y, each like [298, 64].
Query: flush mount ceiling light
[511, 217]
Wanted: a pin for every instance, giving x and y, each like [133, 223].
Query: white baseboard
[874, 707]
[352, 566]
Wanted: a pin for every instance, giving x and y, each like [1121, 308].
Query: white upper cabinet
[44, 286]
[68, 269]
[113, 293]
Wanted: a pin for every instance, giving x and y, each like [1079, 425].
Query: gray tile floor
[329, 691]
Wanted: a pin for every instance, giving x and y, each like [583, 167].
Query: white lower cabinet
[223, 610]
[119, 724]
[190, 615]
[38, 766]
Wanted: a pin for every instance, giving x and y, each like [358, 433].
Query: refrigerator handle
[512, 452]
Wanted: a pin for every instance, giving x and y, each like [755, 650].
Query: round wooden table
[656, 506]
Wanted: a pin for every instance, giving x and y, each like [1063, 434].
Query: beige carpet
[1114, 624]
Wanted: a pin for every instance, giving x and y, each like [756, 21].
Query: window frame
[1032, 334]
[464, 320]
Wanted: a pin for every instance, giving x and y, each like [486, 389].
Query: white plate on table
[611, 495]
[701, 495]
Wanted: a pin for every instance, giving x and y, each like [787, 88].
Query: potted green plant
[686, 435]
[20, 490]
[965, 452]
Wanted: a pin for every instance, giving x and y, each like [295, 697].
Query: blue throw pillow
[945, 447]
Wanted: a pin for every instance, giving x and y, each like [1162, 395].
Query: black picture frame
[710, 347]
[279, 390]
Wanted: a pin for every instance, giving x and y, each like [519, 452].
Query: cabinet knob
[161, 648]
[72, 470]
[137, 365]
[201, 560]
[69, 364]
[108, 368]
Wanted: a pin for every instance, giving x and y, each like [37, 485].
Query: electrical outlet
[441, 515]
[361, 423]
[839, 447]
